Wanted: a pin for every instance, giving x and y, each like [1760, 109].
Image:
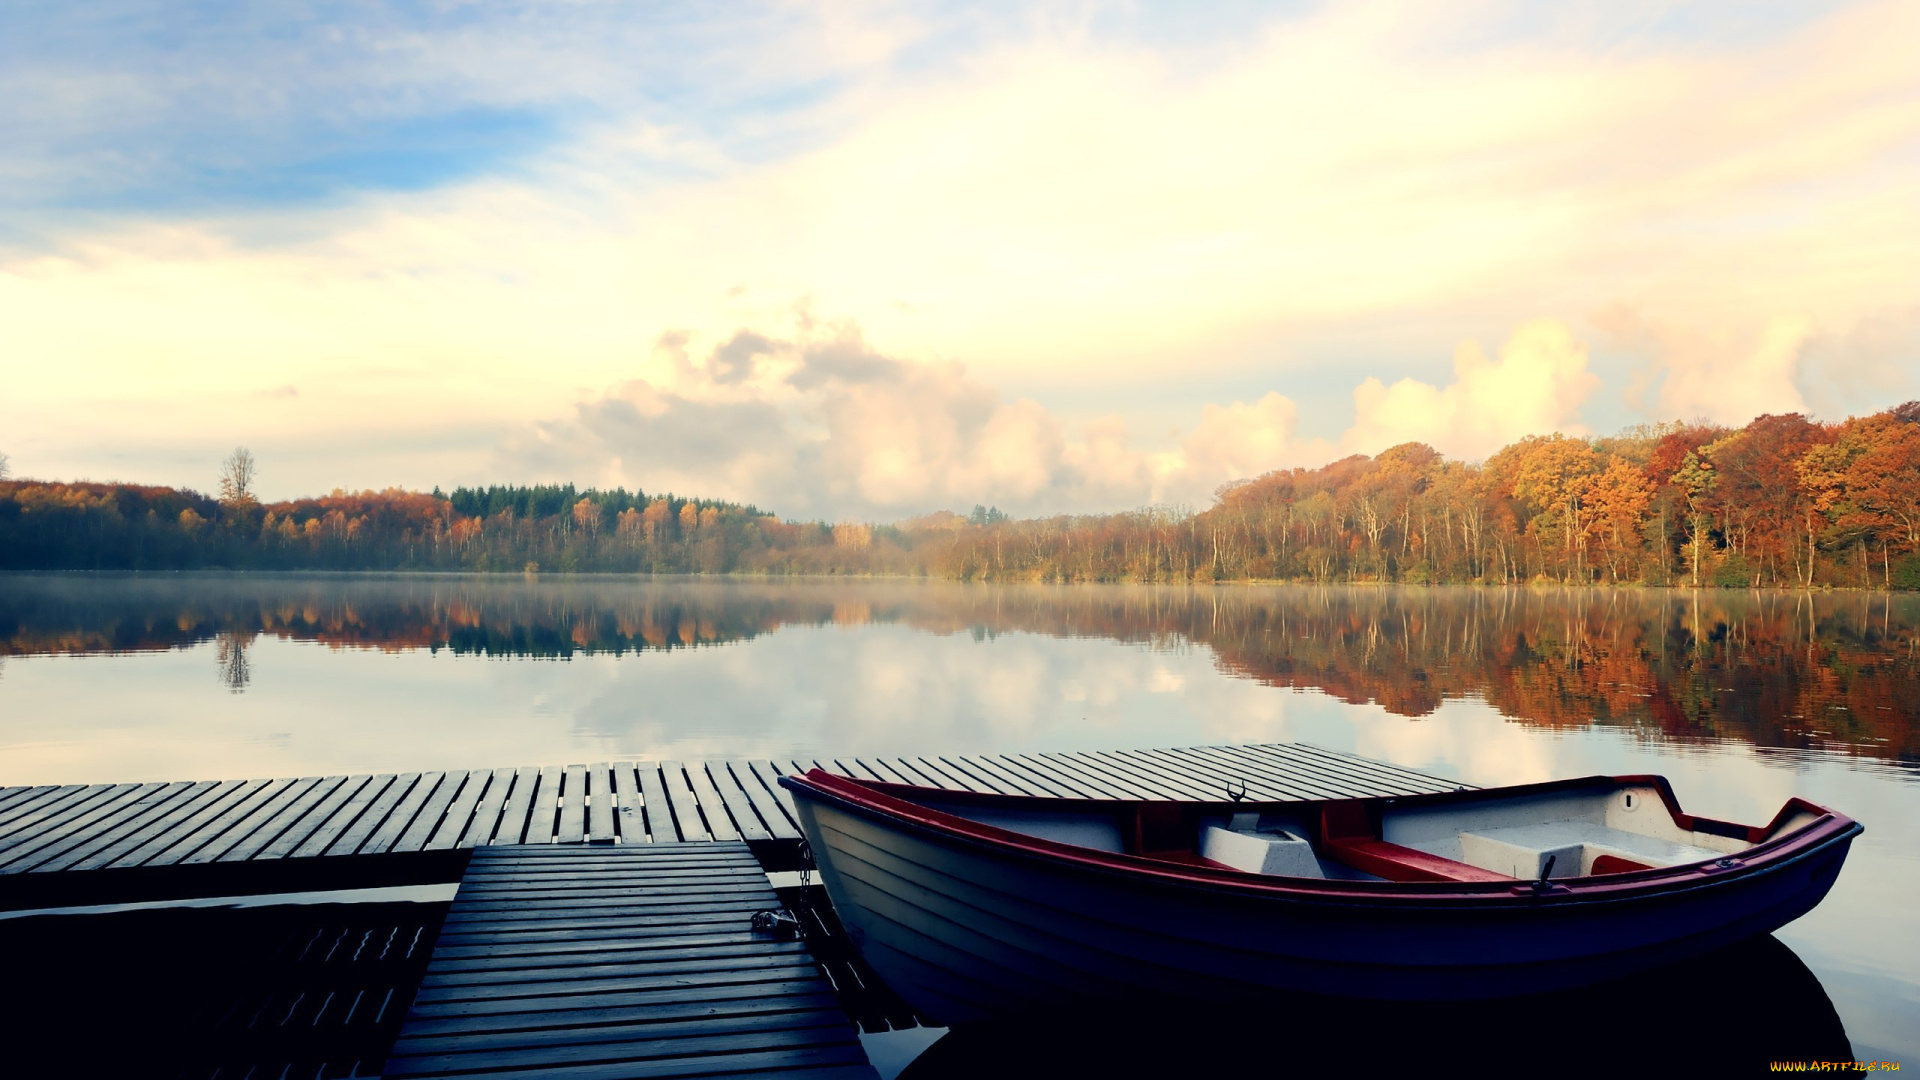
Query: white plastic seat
[1522, 850]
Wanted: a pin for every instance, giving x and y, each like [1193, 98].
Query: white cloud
[814, 421]
[1050, 207]
[1717, 375]
[1536, 387]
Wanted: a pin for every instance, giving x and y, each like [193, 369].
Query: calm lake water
[1742, 699]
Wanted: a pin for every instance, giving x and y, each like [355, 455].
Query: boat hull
[967, 930]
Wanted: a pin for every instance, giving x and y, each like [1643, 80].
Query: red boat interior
[1596, 827]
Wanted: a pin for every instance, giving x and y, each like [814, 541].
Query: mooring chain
[782, 920]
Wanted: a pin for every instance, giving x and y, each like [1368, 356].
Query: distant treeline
[1782, 502]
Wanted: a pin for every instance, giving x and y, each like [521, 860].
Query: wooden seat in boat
[1348, 834]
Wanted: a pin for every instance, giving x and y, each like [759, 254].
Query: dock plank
[34, 809]
[686, 808]
[159, 809]
[721, 782]
[262, 801]
[273, 826]
[30, 846]
[342, 817]
[514, 812]
[401, 818]
[263, 824]
[176, 825]
[313, 821]
[629, 818]
[545, 807]
[76, 828]
[572, 828]
[487, 812]
[434, 810]
[769, 776]
[719, 816]
[459, 812]
[659, 991]
[660, 821]
[58, 814]
[600, 803]
[351, 839]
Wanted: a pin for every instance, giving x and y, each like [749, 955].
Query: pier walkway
[130, 840]
[636, 960]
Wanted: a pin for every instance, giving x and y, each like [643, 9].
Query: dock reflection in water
[1729, 1013]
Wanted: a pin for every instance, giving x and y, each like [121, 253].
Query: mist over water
[1741, 698]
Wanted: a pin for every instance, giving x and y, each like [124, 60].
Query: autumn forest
[1783, 502]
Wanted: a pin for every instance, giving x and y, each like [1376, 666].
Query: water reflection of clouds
[922, 685]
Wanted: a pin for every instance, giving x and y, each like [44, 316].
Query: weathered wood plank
[1228, 775]
[434, 810]
[60, 828]
[173, 827]
[720, 783]
[888, 772]
[686, 809]
[277, 836]
[485, 818]
[315, 819]
[1148, 786]
[49, 800]
[720, 822]
[600, 803]
[377, 813]
[573, 806]
[518, 808]
[520, 985]
[85, 806]
[455, 816]
[1285, 775]
[1353, 774]
[768, 773]
[659, 811]
[264, 824]
[629, 817]
[1106, 786]
[1184, 787]
[174, 801]
[34, 845]
[480, 1032]
[545, 808]
[405, 811]
[269, 828]
[343, 817]
[224, 829]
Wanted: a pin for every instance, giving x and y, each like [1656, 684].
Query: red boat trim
[1352, 835]
[897, 802]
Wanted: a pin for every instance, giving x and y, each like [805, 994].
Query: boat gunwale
[896, 803]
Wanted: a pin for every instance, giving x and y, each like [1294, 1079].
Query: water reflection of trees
[1782, 670]
[230, 653]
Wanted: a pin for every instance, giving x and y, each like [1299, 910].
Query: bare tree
[236, 478]
[5, 472]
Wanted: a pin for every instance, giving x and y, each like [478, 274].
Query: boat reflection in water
[1726, 1013]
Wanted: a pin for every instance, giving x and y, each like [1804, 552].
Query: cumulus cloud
[1717, 375]
[1535, 387]
[817, 422]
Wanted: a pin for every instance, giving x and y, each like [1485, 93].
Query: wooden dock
[128, 841]
[626, 961]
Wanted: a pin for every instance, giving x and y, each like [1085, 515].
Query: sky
[871, 261]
